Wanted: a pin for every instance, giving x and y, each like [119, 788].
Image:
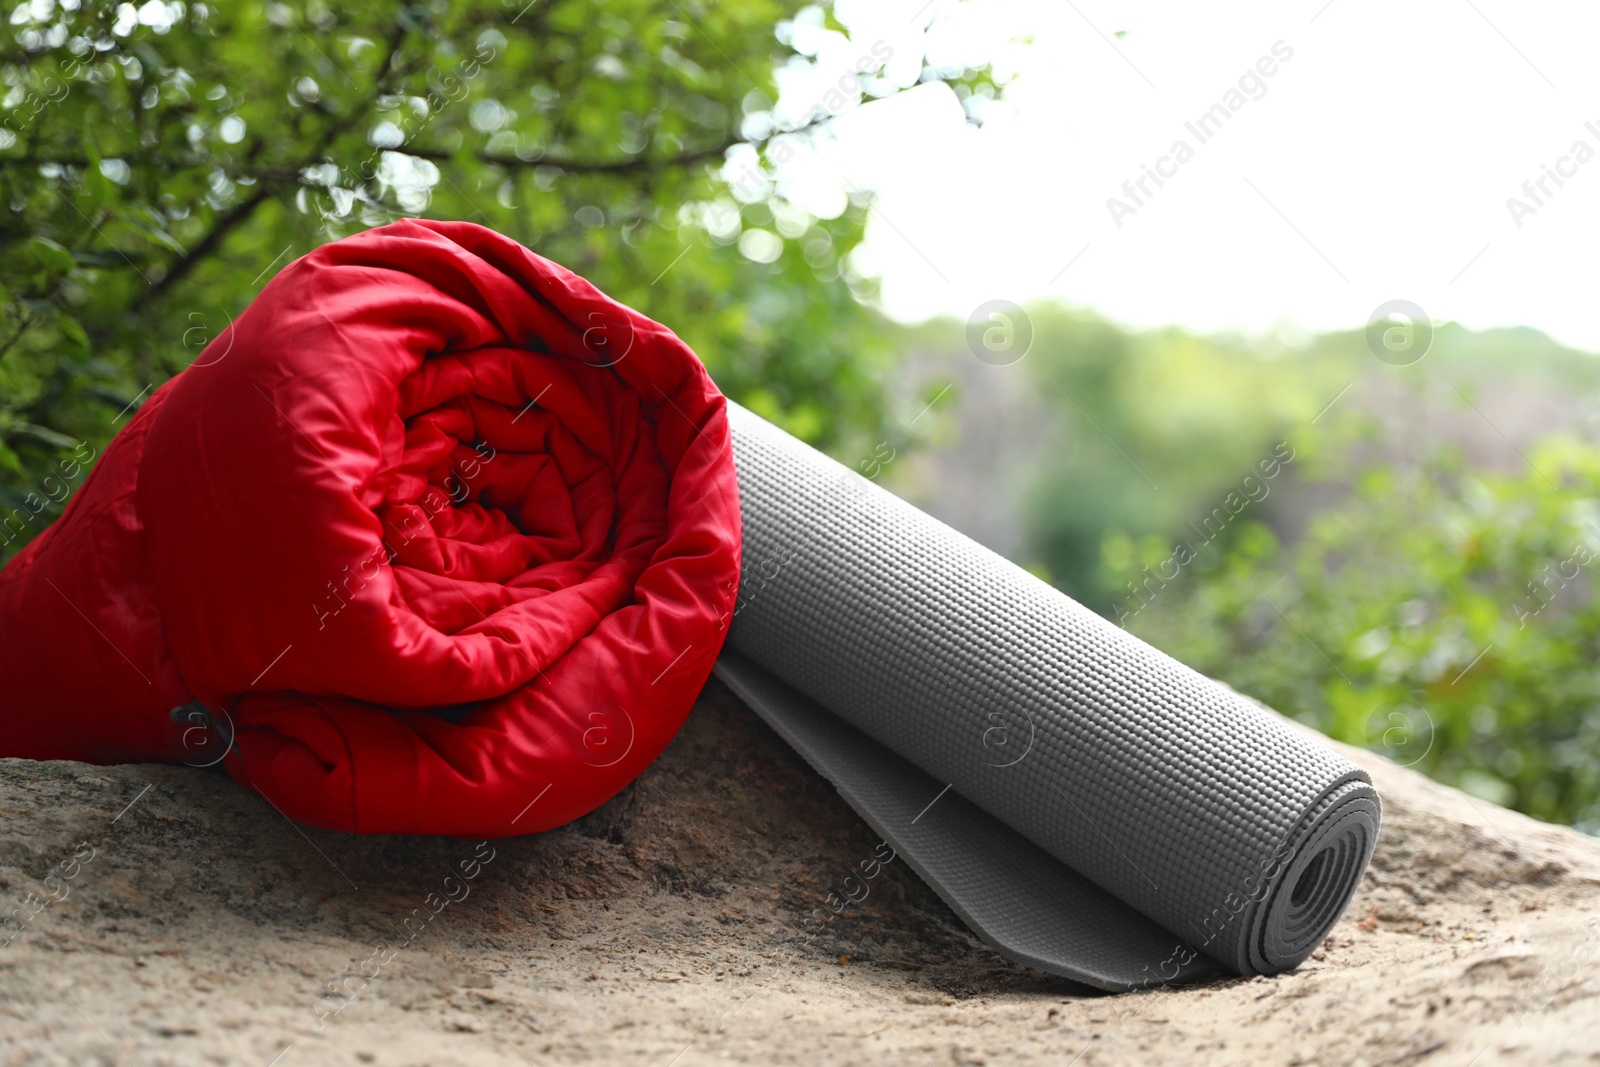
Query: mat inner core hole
[1306, 884]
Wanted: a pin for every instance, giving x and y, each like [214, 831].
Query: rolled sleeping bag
[434, 538]
[1087, 804]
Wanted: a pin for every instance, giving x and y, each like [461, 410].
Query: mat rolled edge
[1329, 853]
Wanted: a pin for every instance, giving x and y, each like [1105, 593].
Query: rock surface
[184, 921]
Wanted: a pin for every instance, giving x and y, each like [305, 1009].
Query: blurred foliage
[160, 162]
[1443, 615]
[1402, 557]
[1157, 428]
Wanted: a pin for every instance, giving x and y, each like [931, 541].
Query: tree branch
[22, 328]
[283, 172]
[582, 166]
[184, 264]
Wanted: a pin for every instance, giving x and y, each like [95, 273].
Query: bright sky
[1374, 163]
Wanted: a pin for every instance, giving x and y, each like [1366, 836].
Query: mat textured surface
[1181, 818]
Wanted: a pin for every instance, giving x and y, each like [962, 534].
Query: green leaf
[44, 435]
[96, 186]
[152, 224]
[149, 57]
[73, 329]
[49, 255]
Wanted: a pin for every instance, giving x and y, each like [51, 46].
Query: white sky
[1391, 141]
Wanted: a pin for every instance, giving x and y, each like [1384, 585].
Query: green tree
[162, 161]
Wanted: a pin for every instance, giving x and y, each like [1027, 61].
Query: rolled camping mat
[1085, 803]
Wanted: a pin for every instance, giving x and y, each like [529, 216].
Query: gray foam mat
[1158, 807]
[1026, 904]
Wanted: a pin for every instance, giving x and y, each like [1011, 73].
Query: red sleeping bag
[435, 538]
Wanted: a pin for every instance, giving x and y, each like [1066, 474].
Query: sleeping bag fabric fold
[435, 538]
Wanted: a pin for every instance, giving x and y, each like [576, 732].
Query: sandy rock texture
[164, 916]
